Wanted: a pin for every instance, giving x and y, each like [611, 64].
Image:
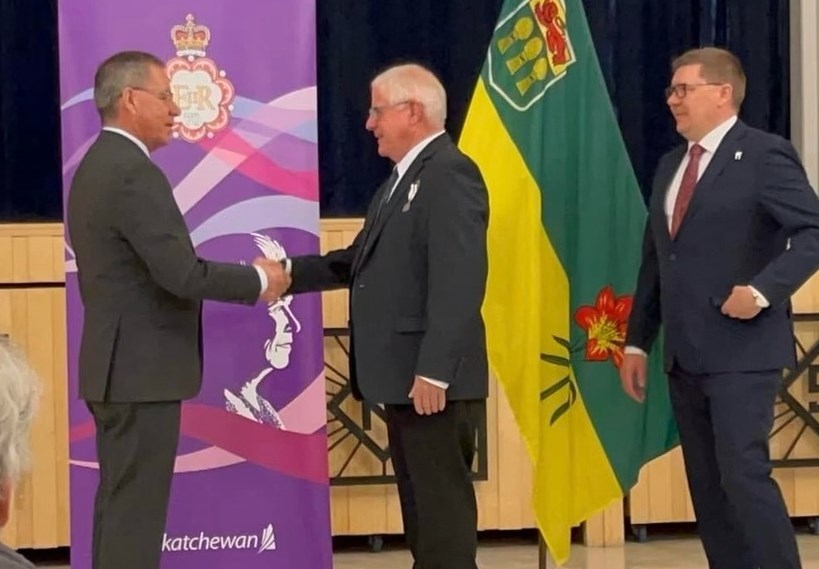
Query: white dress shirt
[709, 143]
[410, 157]
[141, 145]
[130, 137]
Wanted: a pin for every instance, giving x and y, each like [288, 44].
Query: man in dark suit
[142, 287]
[733, 231]
[417, 275]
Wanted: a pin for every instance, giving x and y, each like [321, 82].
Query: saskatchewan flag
[565, 235]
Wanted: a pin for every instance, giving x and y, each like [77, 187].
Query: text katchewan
[204, 542]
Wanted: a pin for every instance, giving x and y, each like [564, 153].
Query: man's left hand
[427, 398]
[741, 304]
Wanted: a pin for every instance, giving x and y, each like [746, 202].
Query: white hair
[19, 394]
[412, 82]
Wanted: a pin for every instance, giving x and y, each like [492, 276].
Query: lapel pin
[738, 155]
[411, 195]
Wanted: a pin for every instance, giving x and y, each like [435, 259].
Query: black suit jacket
[140, 280]
[751, 201]
[417, 276]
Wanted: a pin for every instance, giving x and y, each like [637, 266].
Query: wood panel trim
[31, 230]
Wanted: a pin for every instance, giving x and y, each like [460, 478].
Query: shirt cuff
[262, 279]
[761, 301]
[435, 382]
[288, 266]
[635, 350]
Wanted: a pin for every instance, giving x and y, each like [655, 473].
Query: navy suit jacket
[753, 220]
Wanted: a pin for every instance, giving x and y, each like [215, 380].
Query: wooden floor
[666, 552]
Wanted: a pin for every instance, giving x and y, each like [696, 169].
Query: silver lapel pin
[412, 191]
[738, 155]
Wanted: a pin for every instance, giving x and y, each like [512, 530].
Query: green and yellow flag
[565, 234]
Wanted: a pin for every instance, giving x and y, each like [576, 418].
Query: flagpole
[542, 552]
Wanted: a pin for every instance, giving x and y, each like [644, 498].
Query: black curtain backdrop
[30, 164]
[635, 41]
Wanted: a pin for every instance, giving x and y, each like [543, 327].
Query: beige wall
[805, 84]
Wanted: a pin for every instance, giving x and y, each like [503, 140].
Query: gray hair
[413, 82]
[121, 70]
[19, 395]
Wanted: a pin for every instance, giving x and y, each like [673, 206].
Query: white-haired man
[417, 275]
[18, 398]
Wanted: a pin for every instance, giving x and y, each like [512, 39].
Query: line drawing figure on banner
[249, 403]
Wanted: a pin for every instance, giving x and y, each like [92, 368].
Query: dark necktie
[387, 192]
[689, 182]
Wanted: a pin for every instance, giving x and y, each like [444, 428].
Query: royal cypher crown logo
[199, 87]
[530, 51]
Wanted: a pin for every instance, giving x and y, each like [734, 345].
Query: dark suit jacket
[417, 278]
[752, 198]
[140, 280]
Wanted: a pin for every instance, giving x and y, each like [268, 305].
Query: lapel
[373, 228]
[664, 178]
[369, 219]
[725, 153]
[372, 211]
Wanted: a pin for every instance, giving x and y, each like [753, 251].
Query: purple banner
[250, 487]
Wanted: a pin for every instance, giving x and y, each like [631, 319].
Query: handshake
[278, 281]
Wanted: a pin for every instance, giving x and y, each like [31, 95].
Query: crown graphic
[190, 38]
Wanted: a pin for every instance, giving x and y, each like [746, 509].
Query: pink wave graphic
[210, 458]
[292, 454]
[302, 456]
[240, 149]
[302, 415]
[251, 162]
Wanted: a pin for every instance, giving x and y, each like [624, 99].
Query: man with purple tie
[732, 232]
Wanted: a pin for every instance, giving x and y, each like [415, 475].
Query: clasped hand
[278, 281]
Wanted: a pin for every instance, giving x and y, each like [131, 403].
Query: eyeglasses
[165, 96]
[682, 89]
[376, 112]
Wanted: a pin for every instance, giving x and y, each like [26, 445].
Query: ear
[726, 94]
[5, 501]
[128, 101]
[416, 112]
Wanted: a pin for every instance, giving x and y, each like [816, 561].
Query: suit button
[361, 285]
[672, 257]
